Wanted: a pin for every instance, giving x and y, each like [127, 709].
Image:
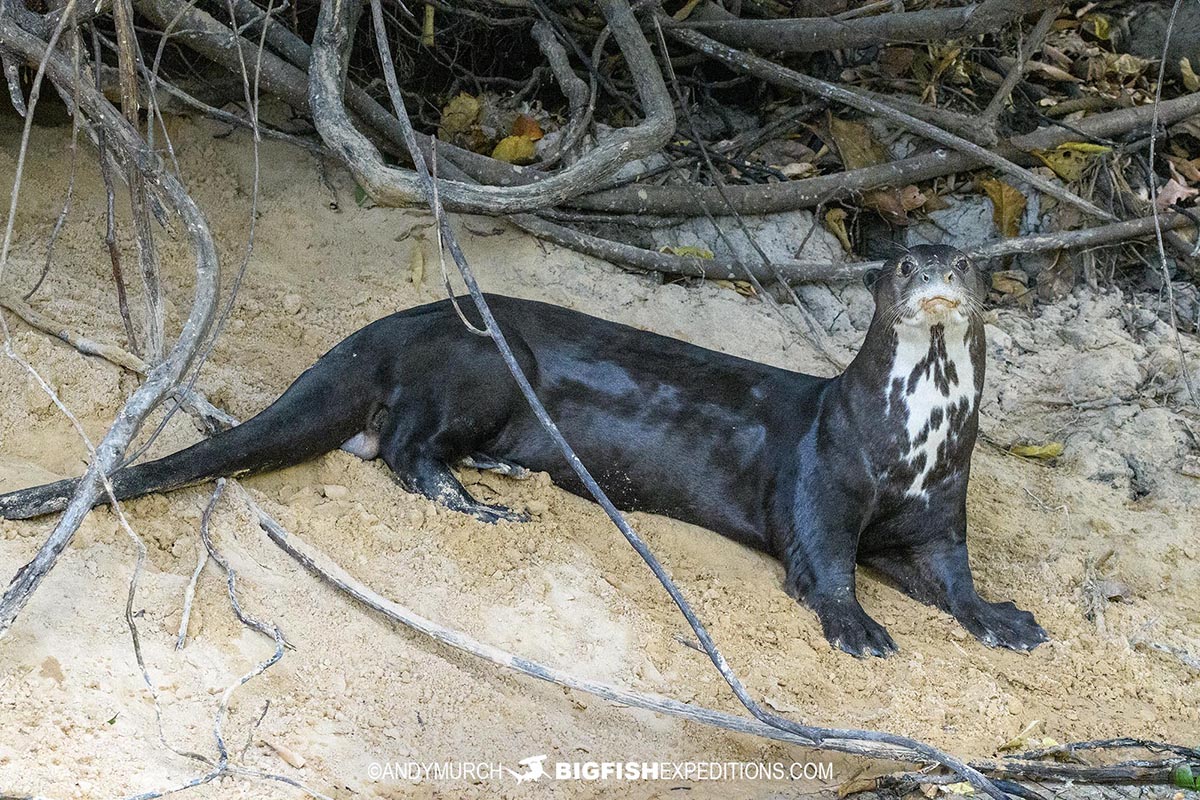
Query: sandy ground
[76, 719]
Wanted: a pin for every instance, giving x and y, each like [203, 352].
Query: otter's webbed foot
[1001, 625]
[850, 629]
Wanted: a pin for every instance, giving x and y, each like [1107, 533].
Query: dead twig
[132, 150]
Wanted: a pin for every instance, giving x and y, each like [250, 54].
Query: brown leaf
[894, 204]
[1052, 72]
[1011, 287]
[855, 144]
[527, 126]
[1008, 205]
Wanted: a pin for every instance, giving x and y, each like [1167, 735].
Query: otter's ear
[869, 278]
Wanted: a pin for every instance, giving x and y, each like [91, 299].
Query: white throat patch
[933, 379]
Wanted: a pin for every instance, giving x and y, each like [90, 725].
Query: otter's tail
[319, 412]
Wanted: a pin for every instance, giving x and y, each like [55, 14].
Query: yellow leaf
[686, 11]
[459, 114]
[835, 222]
[855, 144]
[1008, 205]
[1021, 740]
[1070, 160]
[1042, 451]
[515, 150]
[1098, 25]
[1191, 81]
[427, 29]
[962, 788]
[687, 250]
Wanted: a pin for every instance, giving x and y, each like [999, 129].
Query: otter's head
[929, 284]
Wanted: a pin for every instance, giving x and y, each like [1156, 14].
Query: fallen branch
[132, 150]
[818, 34]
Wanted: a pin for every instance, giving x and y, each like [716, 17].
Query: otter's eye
[906, 267]
[961, 264]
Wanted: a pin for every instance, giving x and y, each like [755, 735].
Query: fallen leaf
[515, 150]
[1191, 81]
[687, 250]
[1040, 451]
[1071, 159]
[686, 11]
[1174, 192]
[1052, 72]
[1098, 25]
[798, 169]
[855, 144]
[1008, 206]
[894, 204]
[962, 789]
[1021, 740]
[1190, 170]
[896, 62]
[835, 223]
[1012, 286]
[527, 126]
[460, 114]
[416, 267]
[1124, 65]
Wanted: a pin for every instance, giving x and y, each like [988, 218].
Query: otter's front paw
[849, 628]
[1002, 625]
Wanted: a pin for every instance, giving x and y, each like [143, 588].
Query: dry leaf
[1008, 206]
[527, 126]
[1189, 170]
[1052, 72]
[1071, 159]
[686, 11]
[515, 150]
[1173, 191]
[855, 144]
[894, 204]
[1098, 25]
[835, 222]
[1021, 740]
[896, 62]
[687, 250]
[459, 114]
[798, 169]
[1191, 81]
[1012, 286]
[1042, 451]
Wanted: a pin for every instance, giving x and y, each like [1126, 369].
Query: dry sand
[76, 719]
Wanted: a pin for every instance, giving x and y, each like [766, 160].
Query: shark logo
[534, 769]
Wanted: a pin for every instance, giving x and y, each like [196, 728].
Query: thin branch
[159, 381]
[817, 34]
